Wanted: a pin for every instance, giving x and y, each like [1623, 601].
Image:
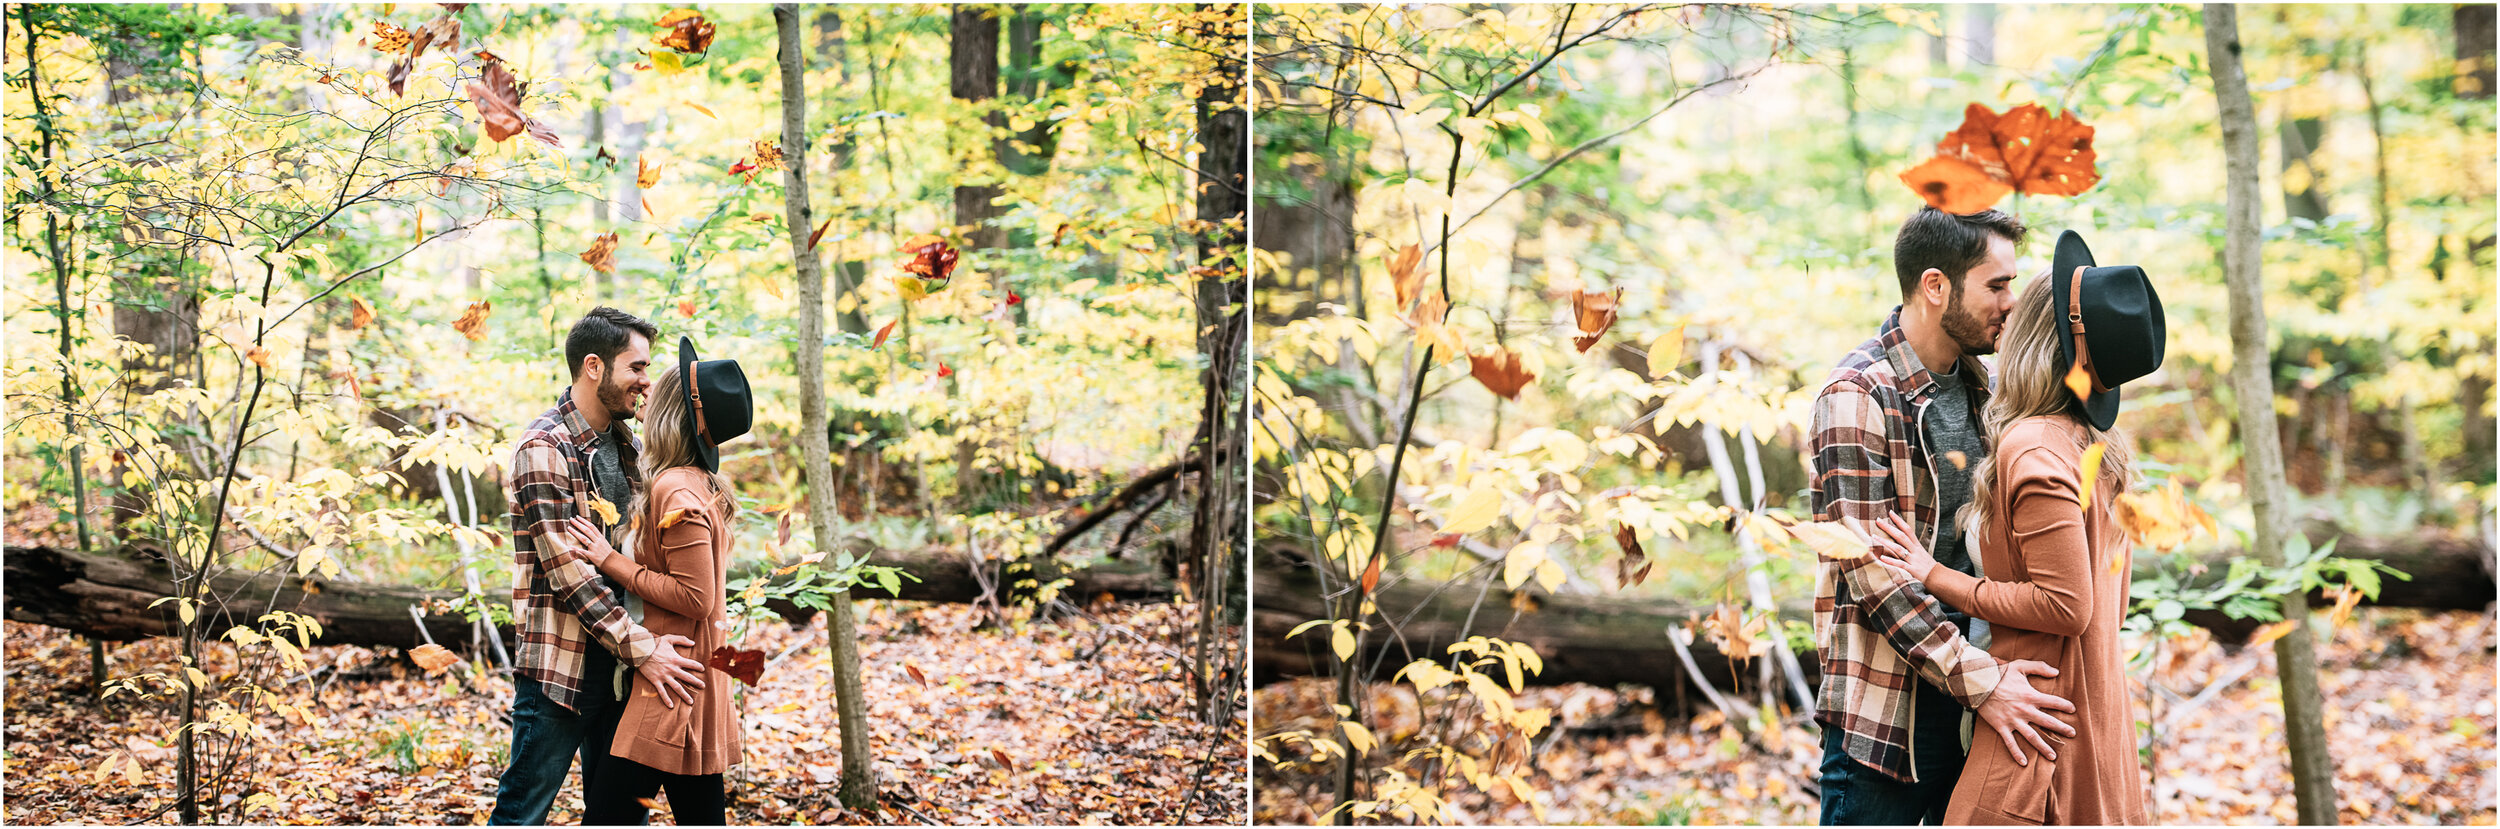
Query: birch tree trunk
[2295, 655]
[859, 785]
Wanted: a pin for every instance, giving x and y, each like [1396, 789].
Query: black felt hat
[718, 405]
[2110, 313]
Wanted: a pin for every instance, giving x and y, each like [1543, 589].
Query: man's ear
[1934, 287]
[595, 368]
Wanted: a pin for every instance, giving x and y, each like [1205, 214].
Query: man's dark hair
[1950, 242]
[606, 332]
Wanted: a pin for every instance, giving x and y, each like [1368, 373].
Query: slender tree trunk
[1223, 325]
[973, 79]
[2252, 382]
[859, 785]
[833, 49]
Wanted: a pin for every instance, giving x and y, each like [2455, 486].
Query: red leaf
[785, 527]
[881, 334]
[819, 234]
[1001, 757]
[943, 371]
[686, 307]
[916, 675]
[1500, 372]
[746, 665]
[740, 167]
[1371, 574]
[1013, 299]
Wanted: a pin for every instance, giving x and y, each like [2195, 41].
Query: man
[1896, 431]
[565, 686]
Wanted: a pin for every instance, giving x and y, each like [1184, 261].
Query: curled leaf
[646, 174]
[687, 31]
[472, 322]
[882, 332]
[1634, 566]
[360, 313]
[1404, 277]
[602, 253]
[744, 664]
[1595, 311]
[605, 510]
[672, 518]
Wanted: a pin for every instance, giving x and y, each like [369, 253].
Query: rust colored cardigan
[681, 572]
[2056, 592]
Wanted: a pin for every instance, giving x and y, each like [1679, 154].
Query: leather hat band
[2074, 324]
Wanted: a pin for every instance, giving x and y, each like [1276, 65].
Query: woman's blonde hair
[2028, 384]
[667, 443]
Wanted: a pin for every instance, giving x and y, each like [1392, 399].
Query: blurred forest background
[1587, 603]
[286, 281]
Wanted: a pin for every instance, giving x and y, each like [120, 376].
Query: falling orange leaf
[768, 156]
[1056, 235]
[1500, 372]
[686, 307]
[259, 356]
[916, 675]
[1404, 277]
[472, 322]
[819, 234]
[888, 328]
[389, 38]
[2091, 474]
[433, 658]
[360, 313]
[687, 31]
[944, 371]
[1595, 311]
[1959, 460]
[2079, 381]
[605, 510]
[602, 253]
[1991, 155]
[672, 518]
[1430, 321]
[703, 109]
[646, 174]
[2272, 632]
[1371, 574]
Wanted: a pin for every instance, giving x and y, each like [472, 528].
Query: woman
[2057, 568]
[680, 570]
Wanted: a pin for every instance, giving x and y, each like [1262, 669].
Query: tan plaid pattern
[1876, 633]
[559, 602]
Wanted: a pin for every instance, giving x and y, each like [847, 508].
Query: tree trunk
[2252, 382]
[106, 595]
[859, 784]
[973, 78]
[2475, 35]
[833, 49]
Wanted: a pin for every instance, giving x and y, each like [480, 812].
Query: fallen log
[107, 596]
[1611, 640]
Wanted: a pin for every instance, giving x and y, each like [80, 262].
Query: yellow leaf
[2091, 472]
[2272, 632]
[1474, 512]
[183, 608]
[1666, 353]
[1521, 564]
[1358, 737]
[1831, 540]
[606, 511]
[1343, 641]
[702, 109]
[1549, 575]
[2079, 381]
[910, 287]
[671, 518]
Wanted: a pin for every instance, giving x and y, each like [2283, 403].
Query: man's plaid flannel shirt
[1878, 634]
[559, 602]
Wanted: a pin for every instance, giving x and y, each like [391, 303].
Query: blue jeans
[1855, 795]
[545, 738]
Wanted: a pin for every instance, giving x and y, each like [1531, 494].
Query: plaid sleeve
[1853, 486]
[544, 489]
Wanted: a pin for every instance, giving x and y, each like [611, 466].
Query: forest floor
[2409, 718]
[1083, 720]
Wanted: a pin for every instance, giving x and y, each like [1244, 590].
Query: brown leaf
[746, 665]
[782, 534]
[259, 356]
[1500, 372]
[498, 100]
[1059, 234]
[1595, 311]
[1371, 574]
[602, 253]
[473, 321]
[1001, 757]
[1634, 567]
[1990, 155]
[768, 155]
[1404, 277]
[443, 32]
[605, 156]
[916, 675]
[818, 234]
[887, 329]
[433, 658]
[687, 31]
[398, 75]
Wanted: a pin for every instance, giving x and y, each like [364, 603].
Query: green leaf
[2168, 610]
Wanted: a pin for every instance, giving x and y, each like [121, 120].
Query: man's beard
[1966, 329]
[618, 400]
